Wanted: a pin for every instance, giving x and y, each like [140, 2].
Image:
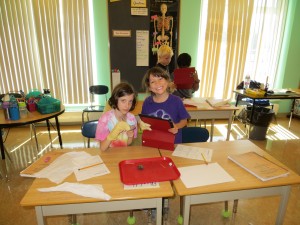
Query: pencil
[86, 167]
[204, 159]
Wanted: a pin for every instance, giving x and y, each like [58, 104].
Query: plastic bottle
[22, 109]
[14, 113]
[47, 93]
[247, 82]
[5, 107]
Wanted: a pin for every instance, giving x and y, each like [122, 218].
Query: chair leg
[36, 141]
[49, 133]
[73, 219]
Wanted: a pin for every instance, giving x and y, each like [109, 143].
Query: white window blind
[46, 44]
[239, 37]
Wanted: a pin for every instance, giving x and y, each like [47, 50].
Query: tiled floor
[282, 143]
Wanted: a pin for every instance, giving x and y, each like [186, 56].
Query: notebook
[183, 77]
[259, 166]
[159, 136]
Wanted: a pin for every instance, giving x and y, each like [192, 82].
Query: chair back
[194, 134]
[98, 90]
[88, 129]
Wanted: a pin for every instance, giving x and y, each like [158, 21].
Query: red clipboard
[183, 77]
[147, 170]
[159, 136]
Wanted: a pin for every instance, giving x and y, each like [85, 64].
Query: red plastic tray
[147, 170]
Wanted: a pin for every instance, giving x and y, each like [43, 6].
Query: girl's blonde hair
[156, 72]
[164, 50]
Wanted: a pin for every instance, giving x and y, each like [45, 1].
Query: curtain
[239, 38]
[239, 20]
[46, 44]
[212, 47]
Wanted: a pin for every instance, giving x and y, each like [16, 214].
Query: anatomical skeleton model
[163, 29]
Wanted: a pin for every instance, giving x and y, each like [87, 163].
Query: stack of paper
[259, 166]
[83, 165]
[218, 102]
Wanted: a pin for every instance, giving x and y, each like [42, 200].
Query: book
[183, 77]
[259, 166]
[159, 136]
[218, 102]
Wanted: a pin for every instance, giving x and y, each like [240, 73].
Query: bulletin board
[129, 30]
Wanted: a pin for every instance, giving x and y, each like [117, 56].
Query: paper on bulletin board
[116, 77]
[142, 50]
[139, 11]
[138, 3]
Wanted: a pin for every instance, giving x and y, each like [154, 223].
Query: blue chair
[194, 134]
[88, 129]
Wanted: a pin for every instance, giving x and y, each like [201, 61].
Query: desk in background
[245, 185]
[64, 203]
[293, 95]
[32, 117]
[204, 112]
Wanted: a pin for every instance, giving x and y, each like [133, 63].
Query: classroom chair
[95, 90]
[88, 129]
[194, 134]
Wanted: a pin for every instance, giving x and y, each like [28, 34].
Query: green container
[48, 105]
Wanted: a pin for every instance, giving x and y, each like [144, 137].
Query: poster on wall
[164, 23]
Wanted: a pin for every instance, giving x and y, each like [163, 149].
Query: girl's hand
[130, 133]
[173, 130]
[172, 86]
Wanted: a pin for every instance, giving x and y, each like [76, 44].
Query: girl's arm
[182, 123]
[104, 144]
[130, 135]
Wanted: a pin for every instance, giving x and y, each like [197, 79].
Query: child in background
[163, 104]
[117, 127]
[164, 56]
[184, 61]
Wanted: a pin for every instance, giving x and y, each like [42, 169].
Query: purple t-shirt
[172, 108]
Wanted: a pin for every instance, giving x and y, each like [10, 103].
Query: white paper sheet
[86, 190]
[191, 152]
[70, 162]
[93, 171]
[202, 175]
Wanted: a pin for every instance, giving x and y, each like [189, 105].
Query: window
[239, 37]
[47, 44]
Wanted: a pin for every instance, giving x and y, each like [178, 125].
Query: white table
[203, 111]
[245, 185]
[64, 203]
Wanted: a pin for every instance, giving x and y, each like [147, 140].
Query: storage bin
[48, 105]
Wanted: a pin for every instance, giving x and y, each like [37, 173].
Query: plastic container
[247, 82]
[47, 92]
[14, 113]
[5, 107]
[48, 105]
[22, 109]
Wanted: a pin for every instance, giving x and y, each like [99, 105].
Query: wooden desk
[202, 113]
[32, 117]
[206, 112]
[63, 203]
[245, 185]
[293, 95]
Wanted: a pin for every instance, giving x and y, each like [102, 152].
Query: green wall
[288, 72]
